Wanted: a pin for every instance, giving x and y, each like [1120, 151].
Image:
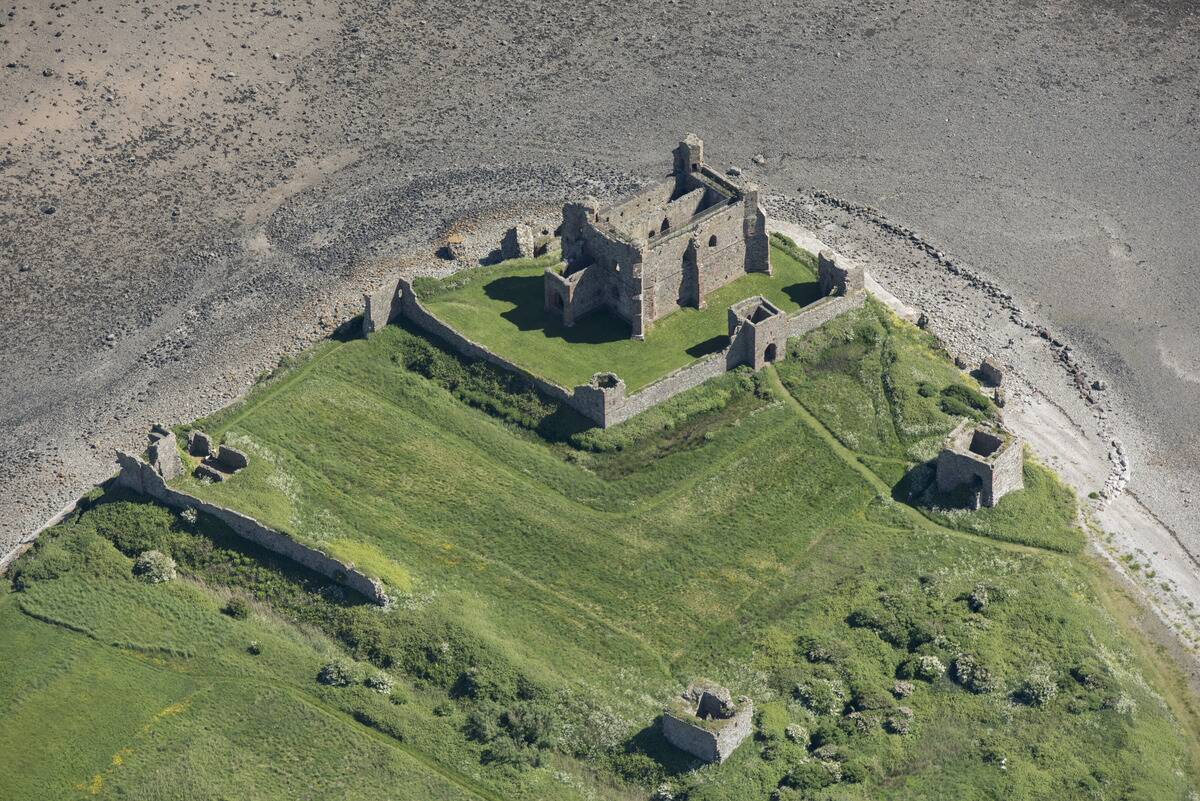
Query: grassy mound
[553, 592]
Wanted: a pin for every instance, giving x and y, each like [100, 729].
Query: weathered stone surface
[838, 275]
[231, 459]
[164, 456]
[456, 246]
[990, 370]
[205, 470]
[140, 477]
[199, 443]
[518, 242]
[608, 405]
[664, 248]
[987, 461]
[706, 722]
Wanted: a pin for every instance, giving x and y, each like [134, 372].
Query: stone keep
[705, 722]
[664, 248]
[985, 460]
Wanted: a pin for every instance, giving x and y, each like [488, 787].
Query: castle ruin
[705, 722]
[984, 461]
[663, 249]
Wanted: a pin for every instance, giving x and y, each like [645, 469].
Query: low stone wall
[823, 311]
[681, 380]
[396, 299]
[711, 746]
[140, 477]
[410, 308]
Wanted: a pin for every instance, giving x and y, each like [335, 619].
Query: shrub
[379, 682]
[237, 608]
[808, 776]
[254, 648]
[972, 399]
[154, 567]
[338, 673]
[903, 689]
[822, 696]
[925, 667]
[189, 515]
[974, 676]
[796, 733]
[1038, 689]
[855, 772]
[978, 598]
[900, 722]
[866, 698]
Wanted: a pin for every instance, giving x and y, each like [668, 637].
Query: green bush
[1038, 689]
[379, 682]
[961, 400]
[237, 608]
[154, 567]
[338, 673]
[973, 675]
[822, 696]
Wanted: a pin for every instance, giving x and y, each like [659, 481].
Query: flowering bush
[379, 682]
[154, 567]
[338, 673]
[974, 676]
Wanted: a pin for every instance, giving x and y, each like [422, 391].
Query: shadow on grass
[526, 294]
[918, 488]
[710, 345]
[650, 741]
[803, 294]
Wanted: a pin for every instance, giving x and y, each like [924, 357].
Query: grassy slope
[502, 307]
[753, 552]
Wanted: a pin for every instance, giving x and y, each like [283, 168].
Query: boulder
[199, 443]
[991, 372]
[164, 457]
[207, 471]
[231, 459]
[456, 247]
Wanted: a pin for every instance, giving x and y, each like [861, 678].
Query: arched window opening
[712, 241]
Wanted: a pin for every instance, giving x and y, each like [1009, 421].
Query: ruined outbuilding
[705, 722]
[983, 461]
[665, 248]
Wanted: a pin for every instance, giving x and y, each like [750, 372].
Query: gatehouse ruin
[663, 249]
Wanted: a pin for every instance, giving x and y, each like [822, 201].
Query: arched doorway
[771, 353]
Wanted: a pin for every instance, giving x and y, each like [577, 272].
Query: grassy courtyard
[552, 592]
[501, 307]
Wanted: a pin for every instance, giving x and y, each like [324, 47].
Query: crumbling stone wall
[664, 248]
[706, 723]
[817, 314]
[988, 462]
[379, 307]
[140, 477]
[608, 406]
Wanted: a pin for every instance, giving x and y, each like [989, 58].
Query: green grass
[553, 593]
[882, 388]
[501, 307]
